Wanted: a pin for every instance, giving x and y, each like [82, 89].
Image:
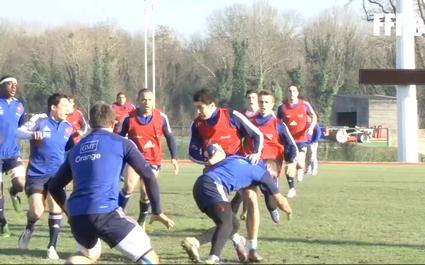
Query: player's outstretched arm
[283, 204]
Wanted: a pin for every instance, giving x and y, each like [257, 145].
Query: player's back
[236, 172]
[96, 163]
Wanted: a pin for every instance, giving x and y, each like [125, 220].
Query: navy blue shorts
[9, 164]
[110, 227]
[36, 184]
[207, 191]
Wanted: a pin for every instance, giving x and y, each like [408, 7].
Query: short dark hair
[54, 100]
[119, 94]
[299, 88]
[205, 96]
[101, 115]
[142, 91]
[251, 91]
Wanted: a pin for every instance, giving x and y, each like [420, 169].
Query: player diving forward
[211, 192]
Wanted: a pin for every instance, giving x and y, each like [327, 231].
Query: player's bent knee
[91, 254]
[19, 173]
[135, 245]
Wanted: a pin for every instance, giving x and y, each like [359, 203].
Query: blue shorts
[207, 191]
[37, 184]
[111, 227]
[9, 164]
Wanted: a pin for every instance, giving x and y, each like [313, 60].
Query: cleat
[292, 192]
[4, 230]
[211, 261]
[16, 201]
[253, 256]
[240, 250]
[52, 254]
[191, 246]
[24, 239]
[275, 215]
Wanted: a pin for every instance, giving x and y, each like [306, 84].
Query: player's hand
[38, 135]
[283, 204]
[291, 169]
[254, 158]
[165, 220]
[175, 166]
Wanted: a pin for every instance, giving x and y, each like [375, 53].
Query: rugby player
[294, 113]
[227, 128]
[11, 117]
[210, 191]
[94, 165]
[146, 126]
[50, 137]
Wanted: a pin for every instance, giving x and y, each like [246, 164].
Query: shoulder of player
[163, 115]
[79, 112]
[67, 123]
[39, 117]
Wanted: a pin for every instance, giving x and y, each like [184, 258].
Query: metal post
[407, 106]
[146, 42]
[153, 51]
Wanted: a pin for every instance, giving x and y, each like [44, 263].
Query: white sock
[252, 244]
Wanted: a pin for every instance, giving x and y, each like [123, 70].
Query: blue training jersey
[48, 154]
[236, 172]
[95, 165]
[11, 117]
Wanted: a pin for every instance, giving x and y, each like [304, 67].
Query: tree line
[244, 46]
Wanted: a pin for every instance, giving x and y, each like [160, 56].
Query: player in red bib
[294, 113]
[251, 110]
[146, 126]
[252, 103]
[76, 118]
[122, 108]
[278, 145]
[225, 127]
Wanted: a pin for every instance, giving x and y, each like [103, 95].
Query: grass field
[357, 214]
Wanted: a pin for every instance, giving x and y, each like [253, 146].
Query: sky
[186, 17]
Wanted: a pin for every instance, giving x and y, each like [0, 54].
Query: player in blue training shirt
[50, 137]
[95, 165]
[11, 117]
[211, 191]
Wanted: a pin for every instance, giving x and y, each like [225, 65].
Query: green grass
[347, 214]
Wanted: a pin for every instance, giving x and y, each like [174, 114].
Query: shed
[365, 111]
